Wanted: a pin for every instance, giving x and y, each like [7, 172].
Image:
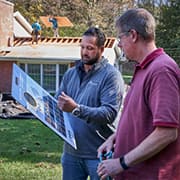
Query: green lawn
[127, 79]
[29, 150]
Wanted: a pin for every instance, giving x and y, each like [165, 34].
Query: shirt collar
[150, 58]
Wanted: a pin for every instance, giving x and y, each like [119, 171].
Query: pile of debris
[9, 108]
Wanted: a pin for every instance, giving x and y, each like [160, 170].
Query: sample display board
[40, 103]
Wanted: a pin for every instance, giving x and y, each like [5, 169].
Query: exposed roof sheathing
[62, 21]
[54, 49]
[59, 41]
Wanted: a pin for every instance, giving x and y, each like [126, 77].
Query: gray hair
[140, 20]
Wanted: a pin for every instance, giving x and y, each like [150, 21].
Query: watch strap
[123, 164]
[76, 110]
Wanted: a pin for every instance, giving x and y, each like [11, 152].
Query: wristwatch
[76, 111]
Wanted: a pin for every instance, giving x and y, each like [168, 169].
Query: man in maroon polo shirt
[147, 142]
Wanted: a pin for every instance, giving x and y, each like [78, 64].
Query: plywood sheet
[62, 21]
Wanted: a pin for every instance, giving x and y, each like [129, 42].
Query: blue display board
[40, 103]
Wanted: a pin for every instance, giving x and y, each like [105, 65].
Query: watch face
[76, 111]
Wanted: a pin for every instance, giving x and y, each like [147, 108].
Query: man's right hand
[66, 103]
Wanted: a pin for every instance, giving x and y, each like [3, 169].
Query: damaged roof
[48, 48]
[62, 48]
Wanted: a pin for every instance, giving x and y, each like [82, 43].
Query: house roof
[20, 41]
[61, 49]
[22, 28]
[54, 49]
[19, 31]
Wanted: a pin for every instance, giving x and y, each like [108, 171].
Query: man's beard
[91, 61]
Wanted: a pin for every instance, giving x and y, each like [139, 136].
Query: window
[62, 70]
[34, 71]
[49, 76]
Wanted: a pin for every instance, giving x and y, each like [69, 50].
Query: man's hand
[66, 103]
[109, 167]
[107, 146]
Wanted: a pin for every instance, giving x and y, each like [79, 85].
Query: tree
[83, 13]
[168, 29]
[167, 17]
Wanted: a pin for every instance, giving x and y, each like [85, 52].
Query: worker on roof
[54, 22]
[36, 32]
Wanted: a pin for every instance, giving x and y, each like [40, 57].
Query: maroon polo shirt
[152, 100]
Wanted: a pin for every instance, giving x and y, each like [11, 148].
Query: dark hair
[140, 20]
[96, 32]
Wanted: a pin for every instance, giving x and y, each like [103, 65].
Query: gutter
[39, 59]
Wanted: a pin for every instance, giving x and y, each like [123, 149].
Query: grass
[127, 78]
[29, 151]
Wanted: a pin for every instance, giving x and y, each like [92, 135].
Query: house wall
[6, 24]
[6, 76]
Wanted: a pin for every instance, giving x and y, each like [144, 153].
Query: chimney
[6, 24]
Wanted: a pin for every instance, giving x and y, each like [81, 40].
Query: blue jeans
[75, 168]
